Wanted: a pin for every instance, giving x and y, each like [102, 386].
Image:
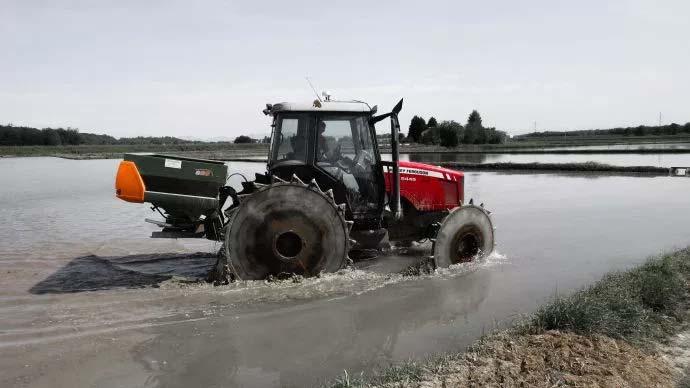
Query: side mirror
[396, 109]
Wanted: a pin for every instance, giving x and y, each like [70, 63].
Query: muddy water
[88, 300]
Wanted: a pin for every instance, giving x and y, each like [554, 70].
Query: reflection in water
[312, 342]
[447, 157]
[634, 146]
[657, 160]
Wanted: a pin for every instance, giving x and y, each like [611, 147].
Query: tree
[242, 139]
[495, 137]
[51, 137]
[474, 118]
[428, 136]
[417, 126]
[474, 132]
[470, 135]
[432, 122]
[449, 135]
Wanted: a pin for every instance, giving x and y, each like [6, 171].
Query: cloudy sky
[206, 68]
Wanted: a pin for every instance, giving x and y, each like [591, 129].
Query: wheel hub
[287, 245]
[468, 243]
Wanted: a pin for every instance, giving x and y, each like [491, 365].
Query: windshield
[345, 150]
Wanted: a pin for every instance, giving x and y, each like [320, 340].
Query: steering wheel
[345, 163]
[356, 165]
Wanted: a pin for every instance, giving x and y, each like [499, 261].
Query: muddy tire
[220, 273]
[287, 228]
[370, 239]
[465, 234]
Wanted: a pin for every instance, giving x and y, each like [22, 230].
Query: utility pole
[659, 118]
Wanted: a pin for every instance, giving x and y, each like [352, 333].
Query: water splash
[346, 282]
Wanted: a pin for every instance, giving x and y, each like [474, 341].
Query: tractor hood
[429, 170]
[427, 187]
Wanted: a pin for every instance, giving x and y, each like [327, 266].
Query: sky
[206, 69]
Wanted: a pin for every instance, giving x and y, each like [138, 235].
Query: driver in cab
[324, 153]
[328, 153]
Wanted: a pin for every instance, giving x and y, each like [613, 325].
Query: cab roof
[321, 106]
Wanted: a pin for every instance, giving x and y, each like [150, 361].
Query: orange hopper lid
[128, 183]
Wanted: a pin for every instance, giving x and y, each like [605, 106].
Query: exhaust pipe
[395, 205]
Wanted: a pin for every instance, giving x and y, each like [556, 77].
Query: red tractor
[326, 194]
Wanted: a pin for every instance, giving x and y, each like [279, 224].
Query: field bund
[626, 330]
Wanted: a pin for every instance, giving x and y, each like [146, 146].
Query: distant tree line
[642, 130]
[242, 139]
[451, 133]
[27, 136]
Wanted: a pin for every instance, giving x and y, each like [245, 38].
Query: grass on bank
[645, 304]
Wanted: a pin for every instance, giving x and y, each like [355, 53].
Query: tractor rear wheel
[287, 228]
[465, 234]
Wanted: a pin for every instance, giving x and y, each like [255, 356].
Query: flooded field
[657, 160]
[630, 146]
[87, 299]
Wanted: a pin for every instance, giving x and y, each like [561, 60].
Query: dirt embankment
[551, 359]
[630, 329]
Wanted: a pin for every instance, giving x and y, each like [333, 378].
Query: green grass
[409, 371]
[640, 304]
[647, 303]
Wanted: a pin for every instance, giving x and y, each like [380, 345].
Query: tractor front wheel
[466, 234]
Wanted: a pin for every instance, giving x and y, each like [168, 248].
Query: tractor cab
[334, 143]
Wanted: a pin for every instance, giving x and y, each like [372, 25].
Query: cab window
[345, 150]
[290, 138]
